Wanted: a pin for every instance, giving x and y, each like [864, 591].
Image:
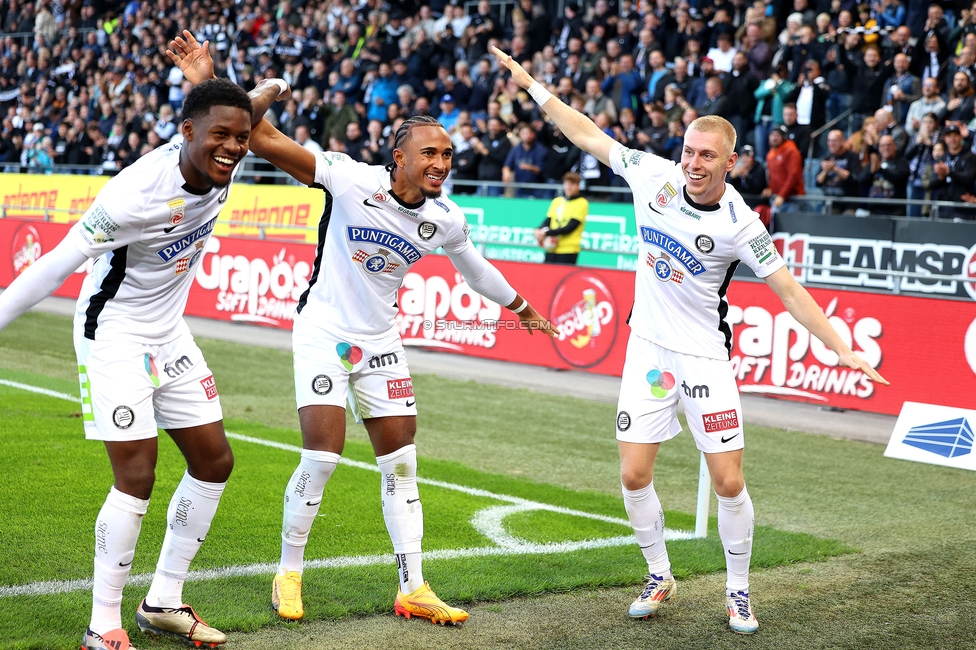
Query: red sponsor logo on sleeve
[209, 386]
[721, 421]
[400, 388]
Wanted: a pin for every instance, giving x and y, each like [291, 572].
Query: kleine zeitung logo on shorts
[25, 248]
[584, 311]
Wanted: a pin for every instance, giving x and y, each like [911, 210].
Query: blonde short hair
[716, 124]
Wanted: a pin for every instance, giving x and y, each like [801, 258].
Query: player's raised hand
[521, 77]
[851, 360]
[193, 59]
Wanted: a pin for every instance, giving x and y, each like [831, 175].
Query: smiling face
[424, 161]
[215, 143]
[705, 160]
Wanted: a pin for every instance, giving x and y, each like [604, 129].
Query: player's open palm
[521, 77]
[193, 59]
[851, 360]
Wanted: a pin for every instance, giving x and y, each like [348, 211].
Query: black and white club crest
[426, 230]
[704, 243]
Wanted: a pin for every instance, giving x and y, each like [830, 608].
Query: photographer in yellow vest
[562, 230]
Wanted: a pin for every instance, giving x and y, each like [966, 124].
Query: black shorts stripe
[723, 307]
[323, 231]
[110, 287]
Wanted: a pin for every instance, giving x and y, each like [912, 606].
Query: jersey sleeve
[115, 219]
[635, 166]
[336, 171]
[457, 240]
[755, 247]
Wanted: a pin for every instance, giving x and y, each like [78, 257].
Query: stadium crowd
[87, 82]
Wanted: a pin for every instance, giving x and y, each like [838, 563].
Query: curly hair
[403, 133]
[215, 92]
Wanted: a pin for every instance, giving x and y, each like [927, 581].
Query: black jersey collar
[409, 206]
[699, 206]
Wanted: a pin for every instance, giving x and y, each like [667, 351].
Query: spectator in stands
[929, 102]
[714, 102]
[623, 84]
[785, 172]
[869, 81]
[749, 177]
[886, 125]
[740, 87]
[771, 95]
[959, 109]
[525, 161]
[464, 163]
[798, 133]
[722, 54]
[597, 102]
[810, 97]
[955, 175]
[340, 115]
[304, 138]
[653, 138]
[839, 74]
[806, 48]
[757, 51]
[382, 92]
[887, 177]
[840, 169]
[921, 160]
[493, 147]
[561, 154]
[449, 112]
[901, 89]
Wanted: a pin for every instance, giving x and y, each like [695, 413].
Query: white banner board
[940, 435]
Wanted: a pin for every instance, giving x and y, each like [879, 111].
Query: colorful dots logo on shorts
[151, 370]
[350, 355]
[661, 382]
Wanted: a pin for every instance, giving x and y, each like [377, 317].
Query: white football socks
[403, 513]
[736, 520]
[116, 533]
[188, 518]
[303, 496]
[647, 519]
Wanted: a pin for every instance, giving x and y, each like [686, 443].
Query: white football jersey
[148, 229]
[688, 253]
[368, 239]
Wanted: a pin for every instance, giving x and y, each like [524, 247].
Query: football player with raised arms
[139, 367]
[378, 221]
[694, 230]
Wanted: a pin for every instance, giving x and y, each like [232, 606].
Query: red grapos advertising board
[926, 347]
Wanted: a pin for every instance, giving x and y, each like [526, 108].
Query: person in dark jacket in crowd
[840, 169]
[886, 177]
[954, 176]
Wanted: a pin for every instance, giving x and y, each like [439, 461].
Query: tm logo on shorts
[123, 417]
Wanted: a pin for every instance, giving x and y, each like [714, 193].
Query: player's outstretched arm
[489, 282]
[805, 310]
[39, 281]
[578, 128]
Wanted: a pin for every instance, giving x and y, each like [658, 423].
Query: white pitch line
[39, 390]
[488, 521]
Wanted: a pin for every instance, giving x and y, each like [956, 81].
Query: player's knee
[216, 468]
[728, 486]
[635, 478]
[136, 480]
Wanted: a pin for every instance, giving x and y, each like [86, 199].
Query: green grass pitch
[52, 483]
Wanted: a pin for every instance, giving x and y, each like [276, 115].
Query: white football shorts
[653, 381]
[371, 374]
[129, 390]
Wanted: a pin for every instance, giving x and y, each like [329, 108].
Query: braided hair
[403, 134]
